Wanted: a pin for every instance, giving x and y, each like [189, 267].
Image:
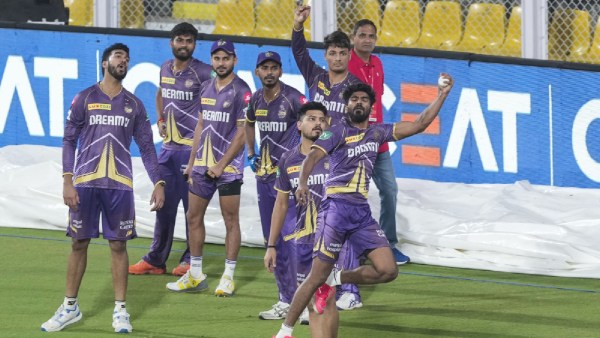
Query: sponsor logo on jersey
[303, 99]
[208, 101]
[247, 97]
[326, 135]
[293, 169]
[355, 138]
[261, 112]
[99, 106]
[167, 80]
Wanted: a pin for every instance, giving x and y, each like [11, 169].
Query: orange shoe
[181, 269]
[144, 268]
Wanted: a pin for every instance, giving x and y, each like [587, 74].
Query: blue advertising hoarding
[501, 123]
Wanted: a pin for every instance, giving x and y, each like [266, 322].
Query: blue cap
[268, 56]
[226, 46]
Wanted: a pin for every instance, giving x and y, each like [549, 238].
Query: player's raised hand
[445, 83]
[301, 13]
[270, 258]
[162, 128]
[158, 197]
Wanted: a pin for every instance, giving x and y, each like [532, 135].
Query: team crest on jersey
[377, 135]
[326, 135]
[226, 104]
[326, 165]
[189, 83]
[341, 96]
[282, 113]
[128, 109]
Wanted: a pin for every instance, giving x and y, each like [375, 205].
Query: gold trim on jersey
[107, 167]
[173, 134]
[358, 183]
[266, 164]
[208, 158]
[310, 222]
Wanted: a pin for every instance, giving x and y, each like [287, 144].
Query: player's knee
[80, 244]
[389, 274]
[118, 246]
[231, 220]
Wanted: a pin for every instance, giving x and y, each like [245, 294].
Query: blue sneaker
[401, 258]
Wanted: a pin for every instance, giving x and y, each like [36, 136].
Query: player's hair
[106, 53]
[184, 28]
[363, 22]
[337, 39]
[359, 87]
[311, 105]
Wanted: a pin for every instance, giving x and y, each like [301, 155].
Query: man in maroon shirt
[369, 69]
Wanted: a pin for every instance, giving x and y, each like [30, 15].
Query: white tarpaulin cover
[503, 227]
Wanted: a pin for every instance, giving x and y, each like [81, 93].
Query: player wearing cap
[177, 101]
[216, 163]
[273, 109]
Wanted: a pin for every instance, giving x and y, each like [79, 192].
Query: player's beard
[112, 70]
[359, 117]
[311, 136]
[269, 84]
[224, 75]
[180, 57]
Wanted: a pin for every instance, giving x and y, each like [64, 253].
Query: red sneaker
[321, 296]
[144, 268]
[181, 269]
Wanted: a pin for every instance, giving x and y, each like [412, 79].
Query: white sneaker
[304, 317]
[278, 311]
[121, 322]
[348, 301]
[187, 283]
[226, 287]
[62, 317]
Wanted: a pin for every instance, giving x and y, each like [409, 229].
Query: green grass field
[425, 301]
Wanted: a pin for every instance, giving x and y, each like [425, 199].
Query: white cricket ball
[443, 82]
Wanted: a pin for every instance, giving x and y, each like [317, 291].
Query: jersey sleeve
[330, 139]
[242, 99]
[73, 126]
[308, 67]
[282, 181]
[387, 132]
[251, 111]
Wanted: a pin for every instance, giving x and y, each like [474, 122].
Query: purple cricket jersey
[104, 129]
[317, 80]
[180, 93]
[287, 182]
[221, 112]
[352, 154]
[276, 122]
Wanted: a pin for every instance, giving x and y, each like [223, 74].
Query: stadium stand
[401, 24]
[131, 18]
[484, 28]
[442, 25]
[234, 17]
[200, 11]
[568, 34]
[81, 12]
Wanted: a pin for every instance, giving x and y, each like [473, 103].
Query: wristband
[271, 246]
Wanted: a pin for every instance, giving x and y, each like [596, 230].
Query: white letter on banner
[15, 78]
[585, 116]
[55, 70]
[468, 112]
[144, 72]
[509, 104]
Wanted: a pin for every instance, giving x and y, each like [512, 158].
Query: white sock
[196, 266]
[335, 278]
[229, 268]
[119, 306]
[284, 331]
[70, 302]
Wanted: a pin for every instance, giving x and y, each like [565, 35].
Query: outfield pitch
[425, 301]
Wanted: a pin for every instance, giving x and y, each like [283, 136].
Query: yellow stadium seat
[401, 23]
[568, 34]
[484, 28]
[512, 42]
[185, 10]
[274, 19]
[234, 17]
[593, 54]
[442, 25]
[131, 13]
[357, 10]
[81, 12]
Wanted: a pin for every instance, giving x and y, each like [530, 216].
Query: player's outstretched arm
[277, 219]
[313, 157]
[301, 14]
[405, 129]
